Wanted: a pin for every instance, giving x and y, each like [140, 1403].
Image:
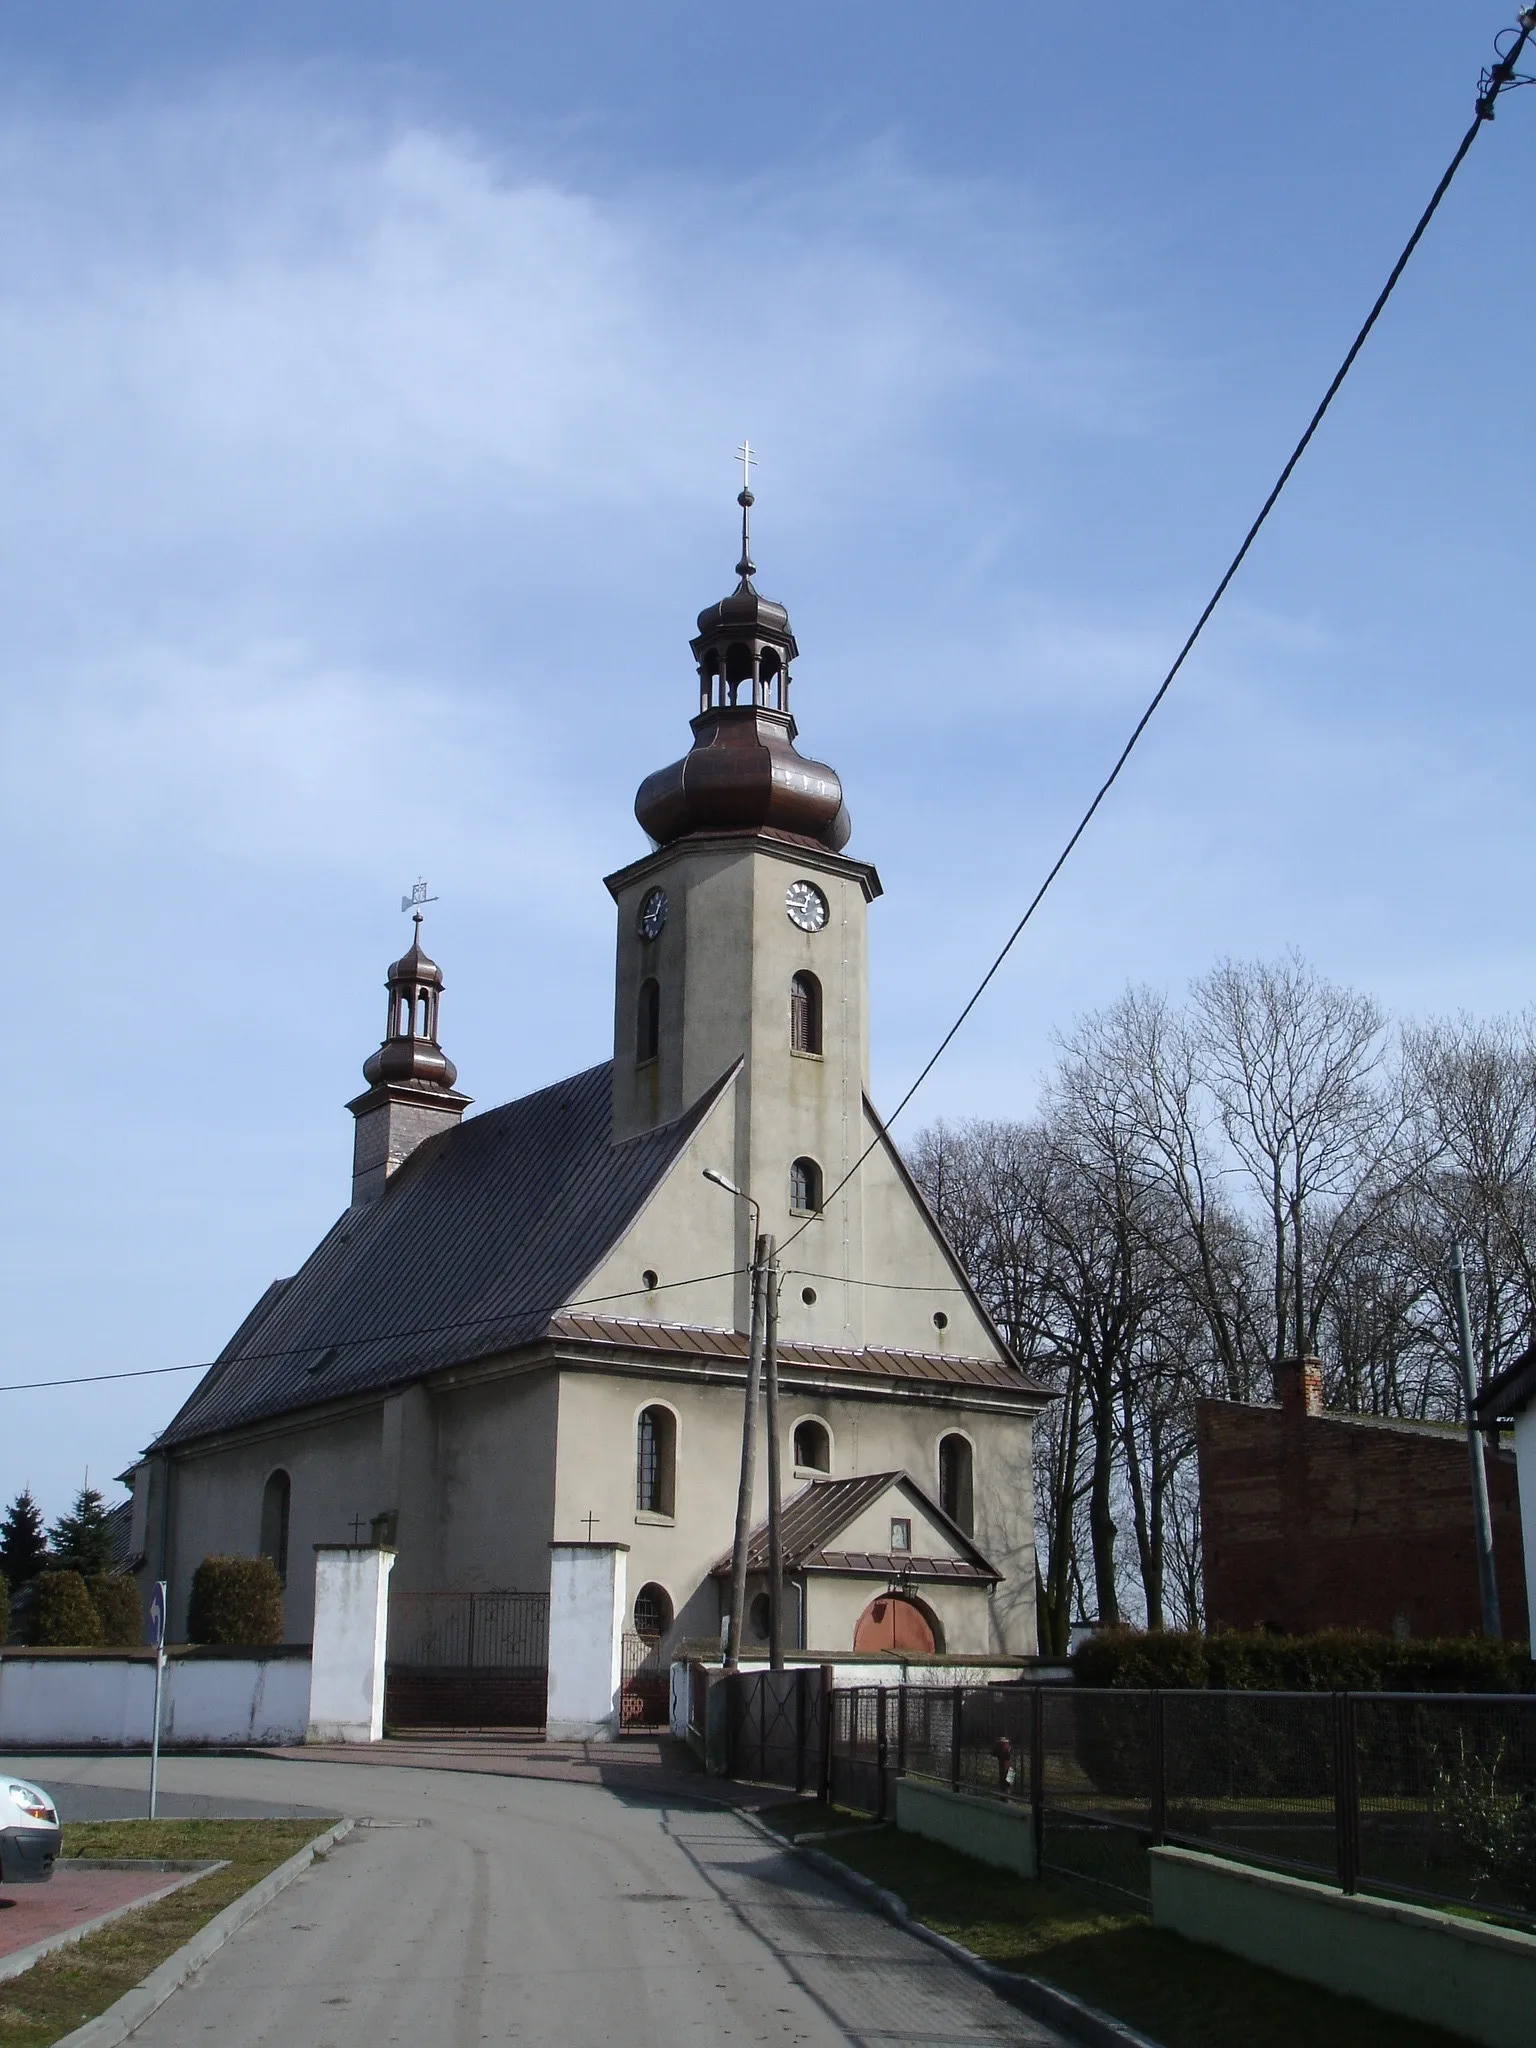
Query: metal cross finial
[748, 463]
[357, 1528]
[591, 1521]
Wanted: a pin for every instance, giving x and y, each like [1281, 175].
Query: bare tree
[1297, 1066]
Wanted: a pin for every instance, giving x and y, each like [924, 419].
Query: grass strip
[1180, 1992]
[76, 1983]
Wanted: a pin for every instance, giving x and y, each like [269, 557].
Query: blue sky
[368, 383]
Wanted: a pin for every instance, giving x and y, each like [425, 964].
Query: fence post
[901, 1729]
[1346, 1801]
[801, 1676]
[762, 1725]
[1159, 1776]
[1037, 1776]
[881, 1752]
[954, 1740]
[826, 1709]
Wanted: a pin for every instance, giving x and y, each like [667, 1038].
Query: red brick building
[1311, 1521]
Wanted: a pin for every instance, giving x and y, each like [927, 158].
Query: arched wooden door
[892, 1622]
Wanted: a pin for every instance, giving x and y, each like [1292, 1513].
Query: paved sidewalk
[33, 1912]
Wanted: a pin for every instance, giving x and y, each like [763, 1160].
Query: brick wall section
[1316, 1521]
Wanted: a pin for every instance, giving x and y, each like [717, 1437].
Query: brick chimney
[1299, 1385]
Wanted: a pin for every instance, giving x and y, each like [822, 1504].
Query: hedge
[63, 1614]
[116, 1600]
[236, 1600]
[1335, 1660]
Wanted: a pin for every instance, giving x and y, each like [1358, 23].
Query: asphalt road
[478, 1908]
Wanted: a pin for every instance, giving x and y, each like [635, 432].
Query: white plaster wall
[108, 1702]
[588, 1606]
[1525, 1472]
[346, 1695]
[595, 1472]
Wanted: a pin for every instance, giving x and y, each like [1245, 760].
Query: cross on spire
[745, 500]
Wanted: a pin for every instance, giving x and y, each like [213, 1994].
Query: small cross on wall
[591, 1522]
[357, 1528]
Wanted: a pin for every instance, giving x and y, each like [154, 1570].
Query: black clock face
[653, 914]
[806, 905]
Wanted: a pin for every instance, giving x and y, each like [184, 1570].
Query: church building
[529, 1326]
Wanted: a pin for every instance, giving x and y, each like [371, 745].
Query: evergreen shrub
[1334, 1660]
[236, 1600]
[63, 1616]
[116, 1600]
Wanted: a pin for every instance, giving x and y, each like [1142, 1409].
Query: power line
[1492, 83]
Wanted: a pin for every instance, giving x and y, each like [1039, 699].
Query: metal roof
[826, 1507]
[478, 1238]
[871, 1360]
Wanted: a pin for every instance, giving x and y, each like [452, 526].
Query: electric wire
[1491, 85]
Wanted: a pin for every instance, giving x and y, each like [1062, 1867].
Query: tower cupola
[411, 1095]
[743, 772]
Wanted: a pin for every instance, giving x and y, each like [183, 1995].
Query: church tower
[411, 1094]
[741, 938]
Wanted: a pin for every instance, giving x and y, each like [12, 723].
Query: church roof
[875, 1361]
[822, 1510]
[478, 1239]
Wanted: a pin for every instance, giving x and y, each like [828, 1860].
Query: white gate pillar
[588, 1606]
[346, 1674]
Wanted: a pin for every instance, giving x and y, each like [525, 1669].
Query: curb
[1040, 2000]
[114, 2025]
[21, 1960]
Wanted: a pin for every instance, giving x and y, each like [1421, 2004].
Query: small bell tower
[411, 1096]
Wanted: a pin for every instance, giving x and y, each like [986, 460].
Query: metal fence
[467, 1660]
[775, 1727]
[1415, 1796]
[644, 1687]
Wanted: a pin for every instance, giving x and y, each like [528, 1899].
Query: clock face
[653, 914]
[806, 905]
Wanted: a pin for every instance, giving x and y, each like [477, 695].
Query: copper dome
[743, 774]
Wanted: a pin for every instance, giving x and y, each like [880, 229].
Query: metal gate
[467, 1660]
[643, 1694]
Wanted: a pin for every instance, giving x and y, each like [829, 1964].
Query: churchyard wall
[1315, 1521]
[102, 1699]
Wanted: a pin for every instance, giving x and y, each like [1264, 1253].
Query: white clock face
[653, 914]
[806, 905]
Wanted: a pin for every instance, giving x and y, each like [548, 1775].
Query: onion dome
[410, 1053]
[743, 772]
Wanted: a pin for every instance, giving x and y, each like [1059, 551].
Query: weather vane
[417, 896]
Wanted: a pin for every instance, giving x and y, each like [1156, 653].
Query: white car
[29, 1833]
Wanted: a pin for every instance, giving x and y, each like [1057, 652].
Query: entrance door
[893, 1622]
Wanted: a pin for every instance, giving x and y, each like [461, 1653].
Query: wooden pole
[775, 1490]
[748, 1464]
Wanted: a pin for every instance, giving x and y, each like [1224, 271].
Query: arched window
[653, 1613]
[805, 1014]
[955, 1481]
[813, 1446]
[648, 1028]
[274, 1521]
[759, 1618]
[805, 1187]
[656, 1461]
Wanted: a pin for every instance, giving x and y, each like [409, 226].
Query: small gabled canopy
[828, 1508]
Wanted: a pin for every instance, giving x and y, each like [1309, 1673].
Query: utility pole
[748, 1457]
[1482, 1520]
[775, 1493]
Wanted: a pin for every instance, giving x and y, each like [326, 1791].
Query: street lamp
[762, 1339]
